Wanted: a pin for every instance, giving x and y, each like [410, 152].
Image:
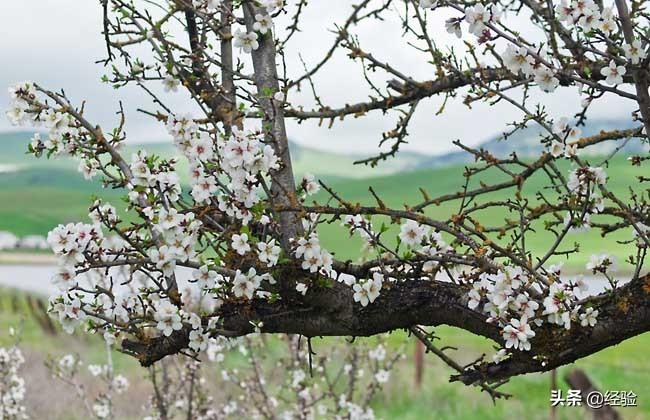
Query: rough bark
[283, 187]
[330, 311]
[623, 313]
[641, 74]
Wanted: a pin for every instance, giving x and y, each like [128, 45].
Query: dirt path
[26, 258]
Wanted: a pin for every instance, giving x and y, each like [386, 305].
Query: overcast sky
[57, 42]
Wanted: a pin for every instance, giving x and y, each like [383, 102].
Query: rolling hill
[324, 164]
[36, 195]
[526, 143]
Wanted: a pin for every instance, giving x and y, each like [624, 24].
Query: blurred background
[58, 47]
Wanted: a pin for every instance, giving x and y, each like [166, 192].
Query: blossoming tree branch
[250, 231]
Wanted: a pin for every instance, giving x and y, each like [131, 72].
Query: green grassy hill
[399, 190]
[43, 193]
[34, 200]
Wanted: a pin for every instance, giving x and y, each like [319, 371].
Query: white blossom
[545, 79]
[452, 25]
[515, 59]
[171, 83]
[588, 318]
[634, 52]
[240, 244]
[263, 23]
[269, 252]
[247, 42]
[613, 74]
[167, 317]
[412, 233]
[310, 184]
[517, 333]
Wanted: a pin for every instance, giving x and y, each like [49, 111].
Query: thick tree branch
[623, 314]
[330, 311]
[283, 188]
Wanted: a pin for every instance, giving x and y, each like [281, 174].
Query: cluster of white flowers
[199, 337]
[168, 317]
[428, 244]
[249, 41]
[506, 299]
[198, 147]
[69, 243]
[17, 110]
[517, 333]
[247, 285]
[601, 263]
[415, 235]
[586, 14]
[565, 131]
[357, 224]
[518, 59]
[12, 386]
[367, 291]
[240, 163]
[62, 131]
[314, 257]
[479, 15]
[103, 213]
[229, 171]
[73, 242]
[582, 183]
[435, 246]
[560, 303]
[245, 159]
[151, 178]
[61, 127]
[177, 235]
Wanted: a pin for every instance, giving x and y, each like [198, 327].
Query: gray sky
[55, 43]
